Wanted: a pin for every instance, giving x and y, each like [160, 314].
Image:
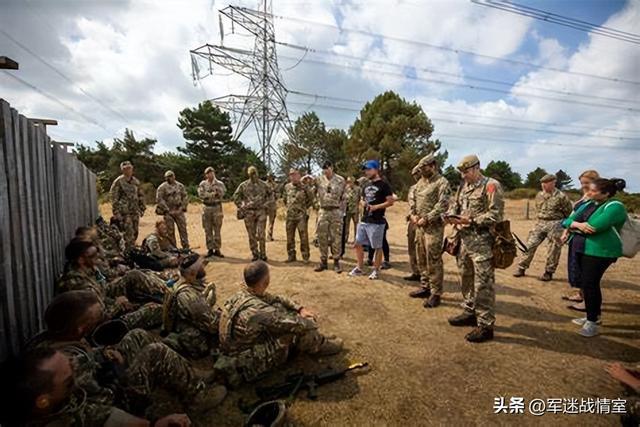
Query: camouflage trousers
[180, 220]
[300, 225]
[351, 217]
[212, 223]
[550, 230]
[329, 232]
[255, 221]
[130, 224]
[138, 286]
[411, 247]
[148, 316]
[272, 211]
[428, 250]
[191, 342]
[477, 274]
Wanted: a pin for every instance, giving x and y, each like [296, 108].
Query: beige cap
[169, 173]
[126, 164]
[427, 160]
[548, 177]
[252, 170]
[468, 162]
[209, 169]
[416, 170]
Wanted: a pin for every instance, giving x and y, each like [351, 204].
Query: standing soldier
[552, 206]
[477, 206]
[272, 205]
[431, 201]
[411, 230]
[251, 198]
[297, 200]
[172, 202]
[329, 188]
[127, 203]
[352, 197]
[211, 191]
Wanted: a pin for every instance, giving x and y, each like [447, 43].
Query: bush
[631, 201]
[149, 191]
[521, 193]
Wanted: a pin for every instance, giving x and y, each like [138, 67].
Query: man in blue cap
[377, 197]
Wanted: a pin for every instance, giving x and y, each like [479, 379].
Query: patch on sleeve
[491, 188]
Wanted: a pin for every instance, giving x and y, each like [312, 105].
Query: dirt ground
[423, 372]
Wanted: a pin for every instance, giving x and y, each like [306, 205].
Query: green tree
[563, 180]
[501, 170]
[333, 149]
[305, 148]
[140, 153]
[533, 178]
[453, 176]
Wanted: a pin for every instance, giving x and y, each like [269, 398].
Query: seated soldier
[158, 246]
[189, 317]
[111, 266]
[127, 373]
[121, 296]
[259, 330]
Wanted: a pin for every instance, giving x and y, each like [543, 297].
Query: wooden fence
[45, 194]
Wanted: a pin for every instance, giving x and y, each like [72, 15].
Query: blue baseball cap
[371, 164]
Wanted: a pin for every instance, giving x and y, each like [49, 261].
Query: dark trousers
[385, 247]
[591, 271]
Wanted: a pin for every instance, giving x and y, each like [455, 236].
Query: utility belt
[212, 204]
[329, 208]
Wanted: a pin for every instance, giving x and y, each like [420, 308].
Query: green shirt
[604, 242]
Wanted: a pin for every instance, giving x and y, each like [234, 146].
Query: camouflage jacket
[273, 194]
[127, 197]
[298, 198]
[81, 410]
[211, 193]
[482, 201]
[248, 320]
[110, 240]
[193, 307]
[431, 198]
[252, 195]
[330, 192]
[171, 197]
[352, 197]
[157, 246]
[411, 200]
[74, 279]
[554, 206]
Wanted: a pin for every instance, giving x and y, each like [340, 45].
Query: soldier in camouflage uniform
[172, 202]
[211, 191]
[297, 200]
[110, 239]
[552, 206]
[272, 205]
[431, 200]
[138, 365]
[477, 206]
[251, 197]
[352, 199]
[189, 316]
[329, 192]
[126, 298]
[258, 330]
[411, 230]
[127, 203]
[158, 246]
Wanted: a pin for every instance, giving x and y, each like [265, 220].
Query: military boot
[519, 272]
[336, 266]
[329, 347]
[421, 292]
[218, 253]
[432, 302]
[208, 398]
[210, 253]
[464, 319]
[480, 334]
[291, 258]
[413, 277]
[255, 257]
[546, 277]
[322, 266]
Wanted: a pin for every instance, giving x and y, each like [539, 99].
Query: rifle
[521, 245]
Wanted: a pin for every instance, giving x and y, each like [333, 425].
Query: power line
[54, 99]
[444, 73]
[480, 138]
[557, 19]
[64, 76]
[454, 50]
[457, 113]
[468, 86]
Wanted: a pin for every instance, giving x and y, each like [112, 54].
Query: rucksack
[629, 235]
[504, 245]
[170, 307]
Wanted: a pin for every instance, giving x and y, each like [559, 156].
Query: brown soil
[423, 371]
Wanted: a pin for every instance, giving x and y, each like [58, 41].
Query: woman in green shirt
[597, 244]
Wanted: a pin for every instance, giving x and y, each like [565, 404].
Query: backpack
[170, 308]
[629, 235]
[504, 245]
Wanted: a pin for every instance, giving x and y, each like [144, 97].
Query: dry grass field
[423, 371]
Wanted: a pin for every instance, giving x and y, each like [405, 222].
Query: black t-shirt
[375, 193]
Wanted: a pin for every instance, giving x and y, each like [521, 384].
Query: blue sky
[133, 57]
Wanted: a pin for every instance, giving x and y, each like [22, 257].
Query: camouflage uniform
[411, 232]
[297, 200]
[148, 366]
[211, 194]
[257, 332]
[352, 198]
[135, 285]
[158, 247]
[330, 194]
[191, 319]
[110, 241]
[483, 202]
[431, 200]
[272, 207]
[252, 197]
[127, 203]
[552, 209]
[172, 201]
